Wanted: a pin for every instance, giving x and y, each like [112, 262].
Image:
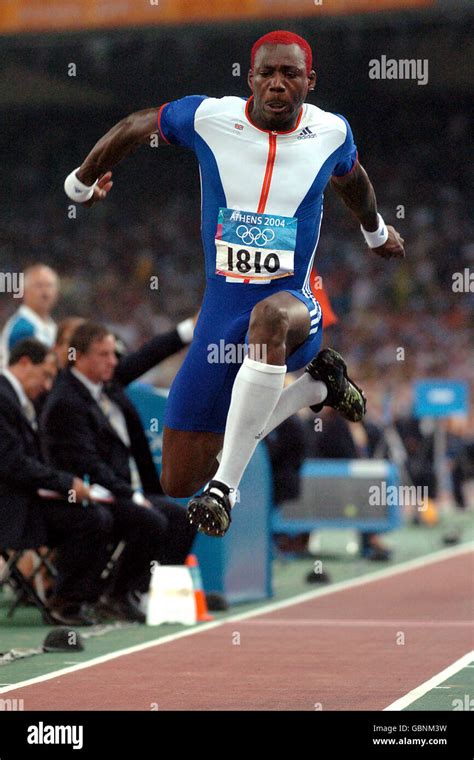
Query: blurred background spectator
[32, 319]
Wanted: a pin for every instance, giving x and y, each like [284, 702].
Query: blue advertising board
[441, 398]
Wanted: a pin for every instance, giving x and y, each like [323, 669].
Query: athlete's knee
[180, 486]
[269, 322]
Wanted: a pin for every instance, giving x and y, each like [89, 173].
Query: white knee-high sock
[303, 392]
[257, 388]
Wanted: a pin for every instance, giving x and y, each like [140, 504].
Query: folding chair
[40, 559]
[23, 586]
[110, 569]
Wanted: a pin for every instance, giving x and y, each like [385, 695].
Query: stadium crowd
[107, 259]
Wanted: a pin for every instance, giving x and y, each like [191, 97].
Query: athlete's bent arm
[357, 192]
[127, 135]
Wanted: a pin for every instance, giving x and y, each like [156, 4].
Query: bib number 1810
[244, 261]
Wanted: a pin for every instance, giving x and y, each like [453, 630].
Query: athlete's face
[280, 85]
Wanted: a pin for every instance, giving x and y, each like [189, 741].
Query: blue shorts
[200, 395]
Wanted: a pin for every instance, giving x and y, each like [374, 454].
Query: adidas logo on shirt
[306, 134]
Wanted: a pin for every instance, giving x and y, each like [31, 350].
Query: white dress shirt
[26, 403]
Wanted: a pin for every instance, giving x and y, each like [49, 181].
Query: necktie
[30, 413]
[115, 416]
[117, 420]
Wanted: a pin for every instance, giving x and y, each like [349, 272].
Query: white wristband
[77, 190]
[186, 330]
[378, 237]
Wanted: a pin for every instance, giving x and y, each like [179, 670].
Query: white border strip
[420, 691]
[413, 564]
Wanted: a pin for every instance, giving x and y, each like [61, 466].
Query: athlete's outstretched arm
[357, 192]
[117, 143]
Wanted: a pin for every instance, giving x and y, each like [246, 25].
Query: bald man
[33, 318]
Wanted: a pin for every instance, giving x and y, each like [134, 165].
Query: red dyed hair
[281, 37]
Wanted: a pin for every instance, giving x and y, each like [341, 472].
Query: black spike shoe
[210, 511]
[343, 394]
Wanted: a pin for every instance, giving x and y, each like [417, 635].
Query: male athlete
[264, 163]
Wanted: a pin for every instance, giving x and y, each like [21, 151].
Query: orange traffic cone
[429, 514]
[202, 613]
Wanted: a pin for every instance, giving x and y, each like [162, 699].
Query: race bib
[253, 247]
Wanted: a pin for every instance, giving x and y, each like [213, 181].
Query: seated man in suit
[28, 521]
[103, 438]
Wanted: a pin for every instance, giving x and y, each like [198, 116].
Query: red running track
[355, 649]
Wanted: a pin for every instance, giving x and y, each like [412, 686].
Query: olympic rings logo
[254, 235]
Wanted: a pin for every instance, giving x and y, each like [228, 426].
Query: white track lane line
[362, 623]
[389, 572]
[432, 683]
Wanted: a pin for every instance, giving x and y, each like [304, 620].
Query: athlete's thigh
[297, 311]
[302, 354]
[200, 394]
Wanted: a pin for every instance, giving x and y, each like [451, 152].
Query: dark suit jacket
[22, 472]
[77, 435]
